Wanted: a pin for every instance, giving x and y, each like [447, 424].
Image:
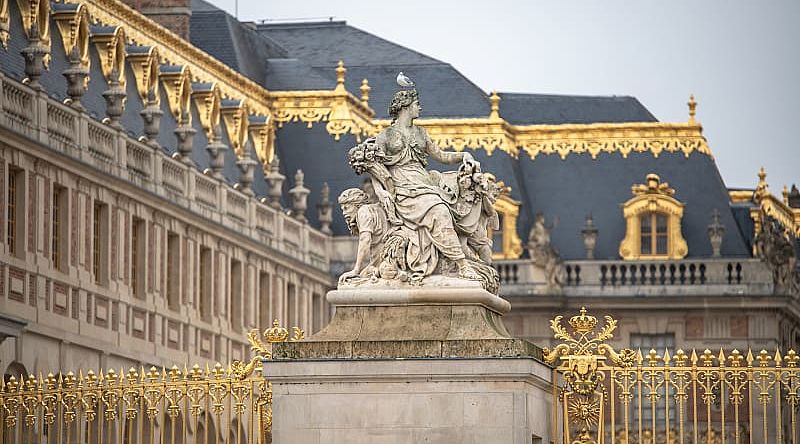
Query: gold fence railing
[603, 396]
[230, 404]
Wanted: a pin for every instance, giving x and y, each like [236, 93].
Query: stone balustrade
[37, 116]
[617, 277]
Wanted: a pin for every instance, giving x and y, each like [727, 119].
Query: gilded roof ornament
[340, 71]
[692, 109]
[653, 186]
[365, 88]
[494, 101]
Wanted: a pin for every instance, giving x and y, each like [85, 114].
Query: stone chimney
[171, 14]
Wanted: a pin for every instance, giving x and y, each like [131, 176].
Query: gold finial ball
[583, 323]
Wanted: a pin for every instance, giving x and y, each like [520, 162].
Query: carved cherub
[477, 193]
[367, 220]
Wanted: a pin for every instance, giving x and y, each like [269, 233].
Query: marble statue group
[413, 223]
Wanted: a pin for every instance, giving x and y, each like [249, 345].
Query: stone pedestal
[411, 365]
[386, 401]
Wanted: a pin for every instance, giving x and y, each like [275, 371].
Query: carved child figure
[367, 220]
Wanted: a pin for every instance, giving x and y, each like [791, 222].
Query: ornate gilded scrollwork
[235, 115]
[262, 133]
[5, 23]
[508, 209]
[261, 345]
[110, 44]
[72, 21]
[36, 12]
[177, 83]
[144, 63]
[207, 100]
[579, 359]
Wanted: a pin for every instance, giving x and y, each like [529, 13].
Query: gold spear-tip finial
[786, 194]
[340, 70]
[692, 108]
[494, 101]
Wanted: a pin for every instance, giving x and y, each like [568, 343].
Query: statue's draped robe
[421, 202]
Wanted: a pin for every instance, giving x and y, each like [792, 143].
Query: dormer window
[653, 223]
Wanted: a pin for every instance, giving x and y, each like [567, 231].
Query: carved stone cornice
[72, 21]
[110, 44]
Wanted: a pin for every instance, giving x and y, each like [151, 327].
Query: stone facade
[115, 265]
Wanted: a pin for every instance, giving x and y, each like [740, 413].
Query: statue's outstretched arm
[445, 157]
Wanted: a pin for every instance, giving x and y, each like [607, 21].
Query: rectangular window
[236, 295]
[661, 234]
[654, 235]
[14, 210]
[204, 284]
[647, 233]
[138, 255]
[100, 242]
[173, 271]
[59, 234]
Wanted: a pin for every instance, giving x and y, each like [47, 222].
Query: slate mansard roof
[302, 56]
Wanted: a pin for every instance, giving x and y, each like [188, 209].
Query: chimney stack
[171, 14]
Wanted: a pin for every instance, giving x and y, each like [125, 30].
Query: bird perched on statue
[404, 81]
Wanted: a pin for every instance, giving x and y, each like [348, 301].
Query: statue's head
[403, 99]
[351, 200]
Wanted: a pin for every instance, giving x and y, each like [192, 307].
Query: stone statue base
[455, 318]
[390, 367]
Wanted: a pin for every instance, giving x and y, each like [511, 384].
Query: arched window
[653, 223]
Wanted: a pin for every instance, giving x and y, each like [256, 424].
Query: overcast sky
[741, 59]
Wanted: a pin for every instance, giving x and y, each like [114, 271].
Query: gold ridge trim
[177, 51]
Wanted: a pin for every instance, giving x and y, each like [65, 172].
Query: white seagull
[404, 81]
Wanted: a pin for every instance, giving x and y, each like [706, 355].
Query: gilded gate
[230, 404]
[628, 396]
